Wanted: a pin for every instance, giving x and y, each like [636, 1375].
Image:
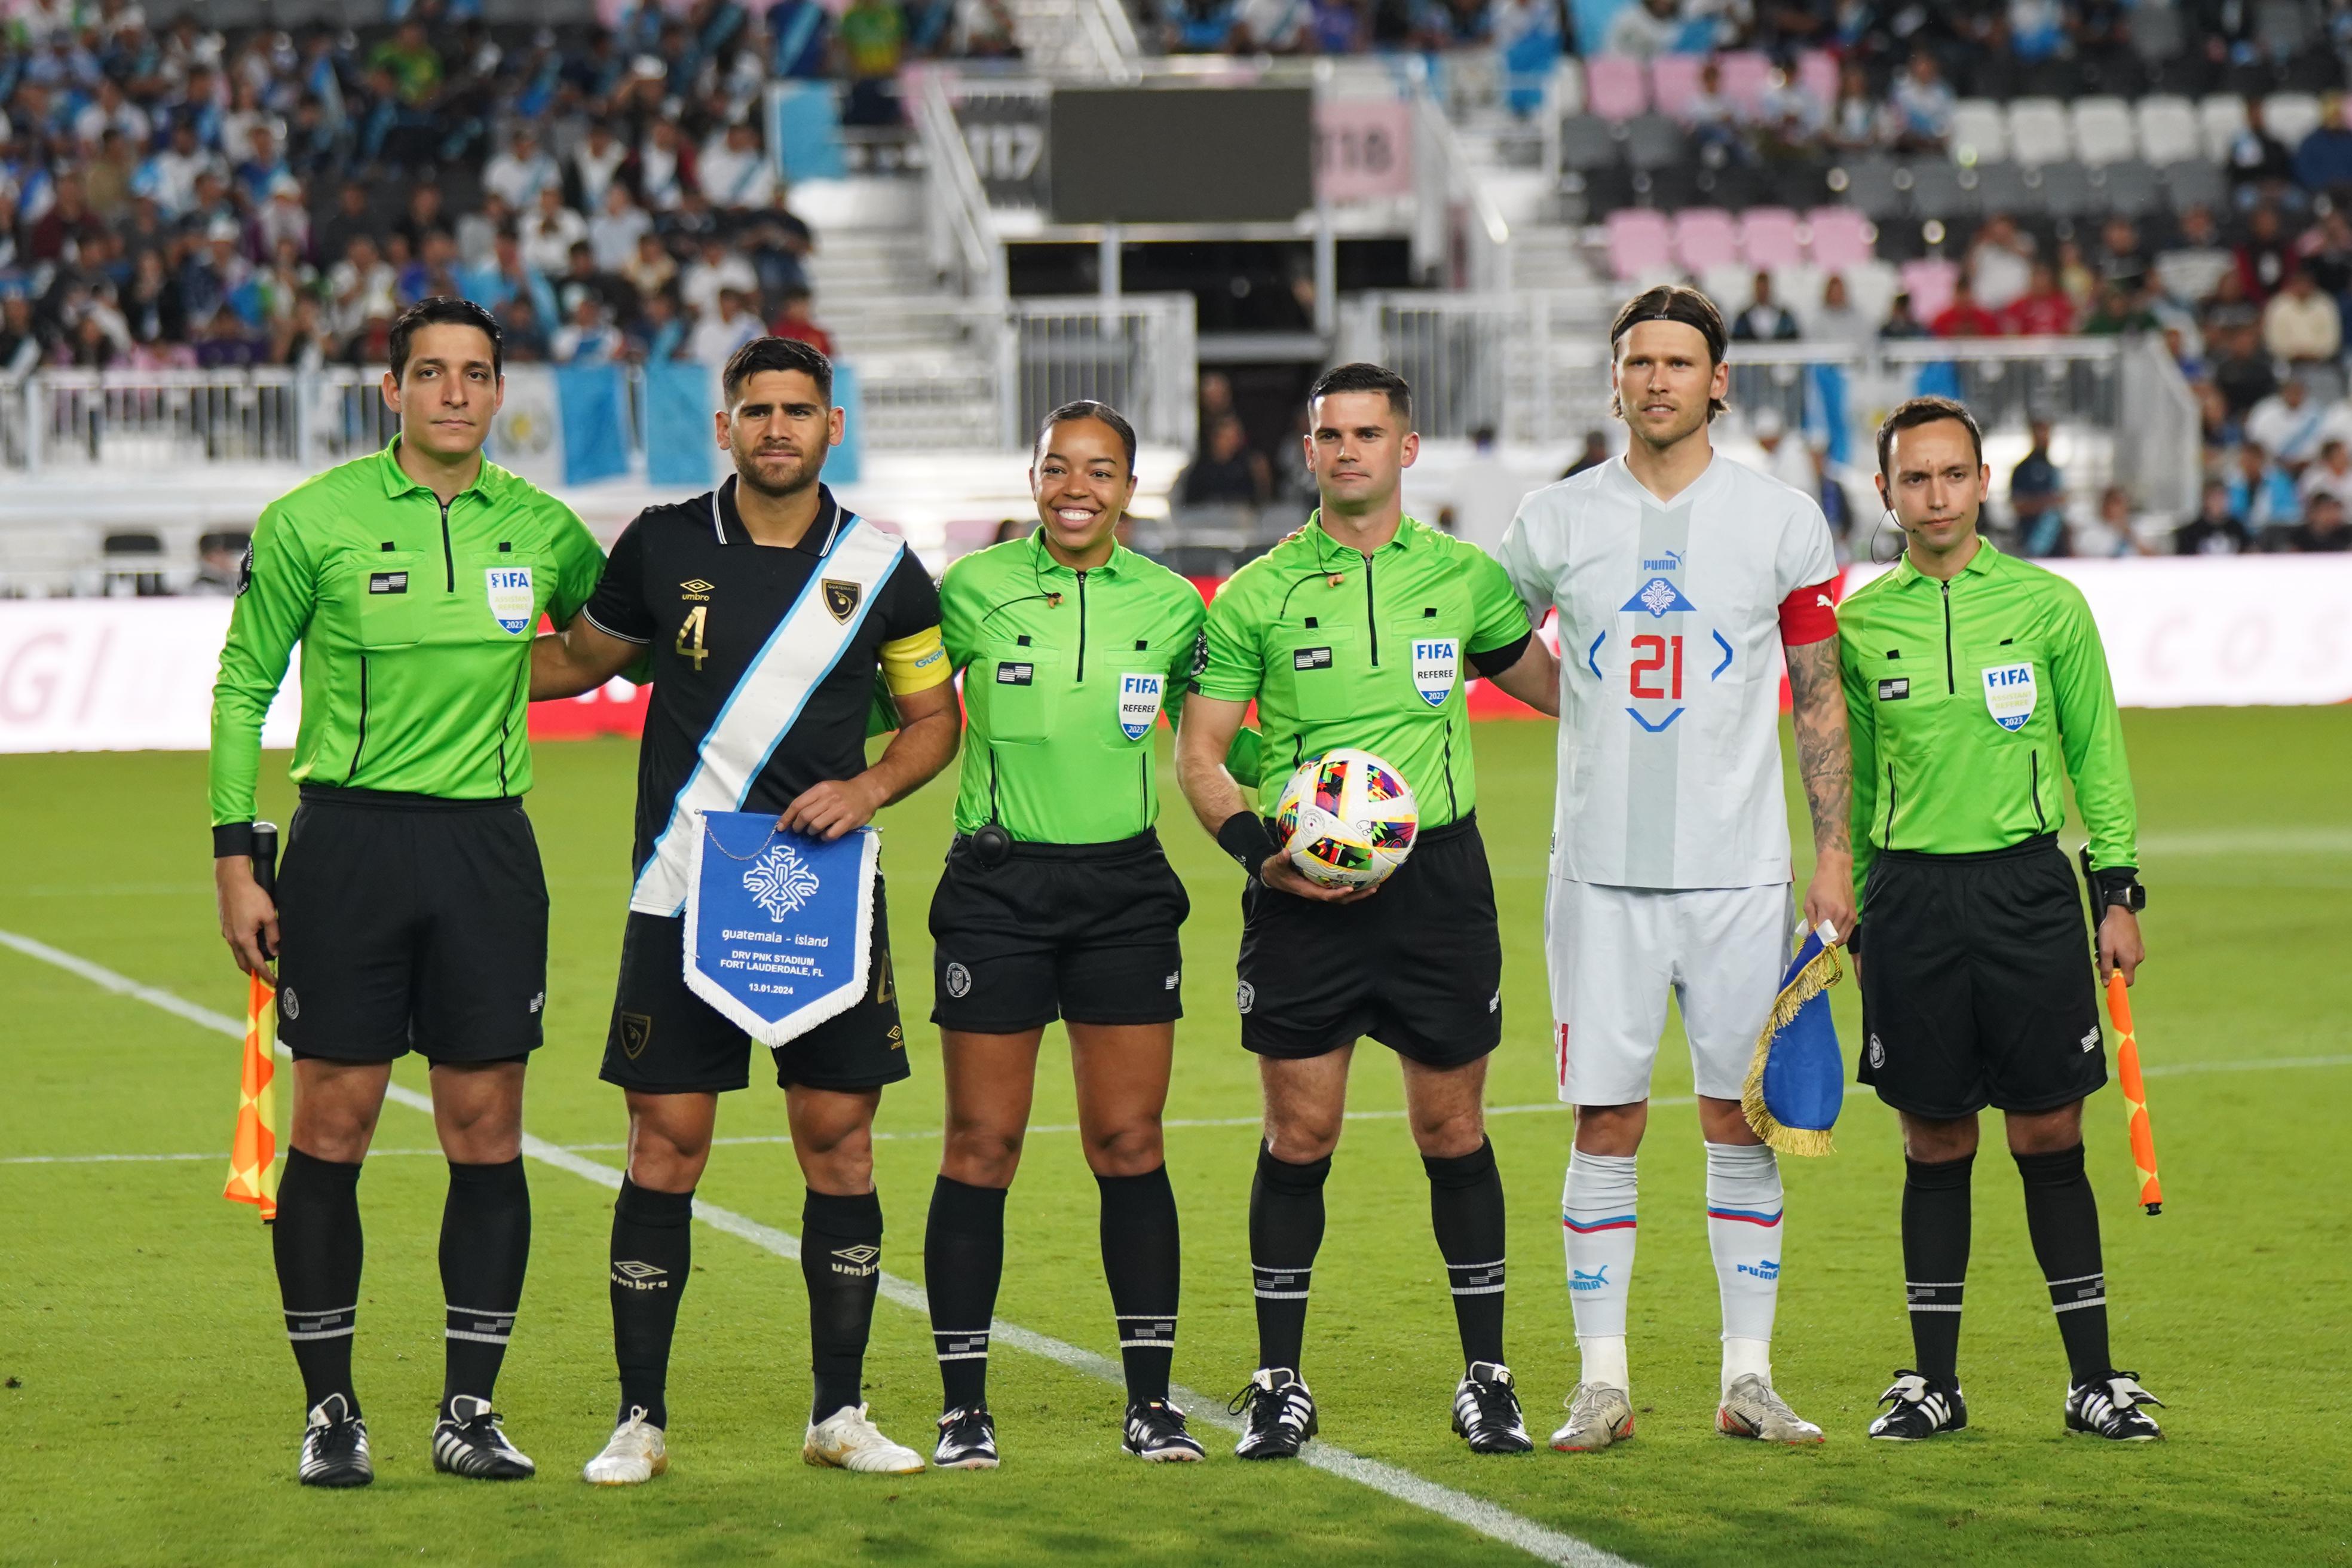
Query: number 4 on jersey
[690, 644]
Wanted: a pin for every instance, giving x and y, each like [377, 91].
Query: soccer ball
[1346, 819]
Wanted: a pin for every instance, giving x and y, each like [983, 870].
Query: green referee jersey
[415, 622]
[1067, 672]
[1966, 700]
[1344, 649]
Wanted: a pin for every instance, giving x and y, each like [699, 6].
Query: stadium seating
[1770, 236]
[1842, 238]
[1640, 243]
[2038, 131]
[1979, 131]
[1705, 237]
[2168, 131]
[1616, 87]
[2103, 130]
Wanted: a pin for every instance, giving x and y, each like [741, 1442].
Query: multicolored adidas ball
[1346, 819]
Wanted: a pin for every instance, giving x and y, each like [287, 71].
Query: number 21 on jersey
[1657, 671]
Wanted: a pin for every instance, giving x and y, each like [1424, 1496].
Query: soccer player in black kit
[766, 612]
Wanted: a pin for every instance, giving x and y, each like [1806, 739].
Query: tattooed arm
[1817, 703]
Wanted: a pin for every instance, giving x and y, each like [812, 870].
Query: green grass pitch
[151, 1410]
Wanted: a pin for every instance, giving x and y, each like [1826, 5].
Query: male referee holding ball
[1363, 630]
[1974, 687]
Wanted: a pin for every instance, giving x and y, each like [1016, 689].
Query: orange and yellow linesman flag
[253, 1156]
[2143, 1136]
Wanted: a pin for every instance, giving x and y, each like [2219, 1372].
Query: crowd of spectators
[176, 196]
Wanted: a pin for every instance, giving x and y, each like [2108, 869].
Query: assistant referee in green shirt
[410, 913]
[1976, 687]
[1057, 902]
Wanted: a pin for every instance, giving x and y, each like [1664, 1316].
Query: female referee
[1056, 901]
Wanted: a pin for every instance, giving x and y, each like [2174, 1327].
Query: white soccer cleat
[1598, 1416]
[846, 1440]
[1751, 1409]
[634, 1455]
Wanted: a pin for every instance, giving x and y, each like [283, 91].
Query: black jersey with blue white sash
[763, 662]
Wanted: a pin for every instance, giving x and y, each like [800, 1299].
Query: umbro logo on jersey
[840, 598]
[695, 590]
[1016, 674]
[1894, 691]
[1311, 658]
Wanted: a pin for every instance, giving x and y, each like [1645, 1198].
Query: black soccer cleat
[1922, 1407]
[1487, 1411]
[468, 1442]
[1155, 1433]
[335, 1447]
[2109, 1406]
[1279, 1413]
[967, 1440]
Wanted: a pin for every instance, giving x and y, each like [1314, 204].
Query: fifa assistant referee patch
[511, 604]
[2009, 693]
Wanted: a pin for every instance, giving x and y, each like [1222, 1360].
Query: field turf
[150, 1409]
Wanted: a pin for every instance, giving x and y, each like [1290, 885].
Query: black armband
[2118, 887]
[1245, 836]
[1496, 660]
[232, 838]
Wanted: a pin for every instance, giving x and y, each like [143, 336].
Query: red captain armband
[1808, 615]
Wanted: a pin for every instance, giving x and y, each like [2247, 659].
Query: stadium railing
[1137, 353]
[1532, 366]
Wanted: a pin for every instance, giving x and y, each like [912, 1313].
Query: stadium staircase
[926, 379]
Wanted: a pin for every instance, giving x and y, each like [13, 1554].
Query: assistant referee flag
[253, 1153]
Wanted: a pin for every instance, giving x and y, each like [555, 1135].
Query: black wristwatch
[2118, 887]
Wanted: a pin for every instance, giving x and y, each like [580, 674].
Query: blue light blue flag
[805, 131]
[846, 462]
[779, 926]
[594, 404]
[680, 451]
[1796, 1084]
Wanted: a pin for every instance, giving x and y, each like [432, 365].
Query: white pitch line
[1488, 1519]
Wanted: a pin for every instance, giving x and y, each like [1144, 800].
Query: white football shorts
[1614, 953]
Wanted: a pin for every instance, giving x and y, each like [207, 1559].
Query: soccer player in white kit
[1680, 578]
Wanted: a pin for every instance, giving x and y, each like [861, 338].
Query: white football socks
[1597, 1220]
[1743, 1231]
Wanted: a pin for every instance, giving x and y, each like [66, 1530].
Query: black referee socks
[317, 1245]
[1285, 1231]
[2062, 1215]
[485, 1251]
[653, 1253]
[1935, 1222]
[841, 1259]
[963, 1262]
[1466, 1210]
[1143, 1261]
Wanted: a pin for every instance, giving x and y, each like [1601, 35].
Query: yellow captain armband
[915, 663]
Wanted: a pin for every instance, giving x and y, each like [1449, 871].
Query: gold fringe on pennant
[1821, 972]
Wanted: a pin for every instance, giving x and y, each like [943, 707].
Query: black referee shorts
[664, 1039]
[410, 922]
[1418, 966]
[1977, 984]
[1081, 931]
